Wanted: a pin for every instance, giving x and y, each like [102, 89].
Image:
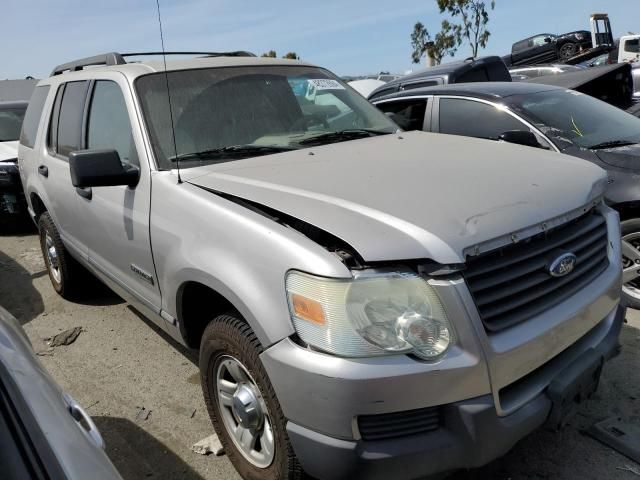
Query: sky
[349, 37]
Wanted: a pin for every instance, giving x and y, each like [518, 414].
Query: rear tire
[229, 362]
[63, 269]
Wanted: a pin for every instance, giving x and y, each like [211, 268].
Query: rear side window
[478, 74]
[408, 114]
[519, 46]
[475, 119]
[109, 126]
[632, 46]
[424, 83]
[69, 131]
[32, 117]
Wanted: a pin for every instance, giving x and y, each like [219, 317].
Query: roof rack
[115, 58]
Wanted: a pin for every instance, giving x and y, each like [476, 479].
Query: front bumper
[471, 433]
[12, 200]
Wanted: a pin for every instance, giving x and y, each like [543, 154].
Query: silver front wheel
[244, 412]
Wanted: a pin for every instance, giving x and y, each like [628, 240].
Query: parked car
[523, 73]
[17, 90]
[12, 204]
[323, 268]
[366, 86]
[618, 56]
[554, 119]
[484, 69]
[610, 83]
[548, 48]
[44, 433]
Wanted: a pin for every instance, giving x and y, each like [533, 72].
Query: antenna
[166, 77]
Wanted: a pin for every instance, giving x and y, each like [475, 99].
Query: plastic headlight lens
[370, 315]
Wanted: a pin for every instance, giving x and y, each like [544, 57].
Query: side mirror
[547, 39]
[520, 137]
[100, 168]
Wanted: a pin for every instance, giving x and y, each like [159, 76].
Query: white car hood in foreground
[412, 196]
[8, 150]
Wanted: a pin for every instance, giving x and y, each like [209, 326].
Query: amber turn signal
[308, 309]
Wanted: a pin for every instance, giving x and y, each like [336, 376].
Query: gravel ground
[142, 389]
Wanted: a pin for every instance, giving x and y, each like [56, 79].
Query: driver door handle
[43, 170]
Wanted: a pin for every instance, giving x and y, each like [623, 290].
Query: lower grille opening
[399, 424]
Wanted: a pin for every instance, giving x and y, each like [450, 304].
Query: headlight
[372, 314]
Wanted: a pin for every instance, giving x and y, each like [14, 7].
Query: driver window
[476, 119]
[109, 126]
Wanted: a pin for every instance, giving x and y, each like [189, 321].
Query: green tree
[474, 16]
[445, 42]
[270, 54]
[292, 56]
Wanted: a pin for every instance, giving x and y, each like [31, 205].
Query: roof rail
[239, 53]
[114, 58]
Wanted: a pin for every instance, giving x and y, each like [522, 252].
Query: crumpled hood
[411, 196]
[8, 150]
[622, 157]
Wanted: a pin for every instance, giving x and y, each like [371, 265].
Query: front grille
[399, 424]
[512, 284]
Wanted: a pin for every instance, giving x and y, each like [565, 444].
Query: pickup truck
[352, 289]
[548, 48]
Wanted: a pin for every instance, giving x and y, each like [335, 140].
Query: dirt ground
[142, 389]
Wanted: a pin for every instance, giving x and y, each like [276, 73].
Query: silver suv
[367, 303]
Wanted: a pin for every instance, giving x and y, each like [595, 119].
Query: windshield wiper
[611, 144]
[231, 151]
[342, 135]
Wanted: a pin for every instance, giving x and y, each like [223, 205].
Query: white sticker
[325, 84]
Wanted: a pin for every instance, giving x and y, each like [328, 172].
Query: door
[64, 136]
[543, 49]
[521, 51]
[115, 219]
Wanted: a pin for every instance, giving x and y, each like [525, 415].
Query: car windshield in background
[224, 114]
[587, 122]
[10, 123]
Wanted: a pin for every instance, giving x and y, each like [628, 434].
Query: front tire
[567, 50]
[62, 267]
[630, 230]
[242, 405]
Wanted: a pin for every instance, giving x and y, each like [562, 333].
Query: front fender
[198, 236]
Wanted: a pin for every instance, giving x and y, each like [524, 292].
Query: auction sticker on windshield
[325, 84]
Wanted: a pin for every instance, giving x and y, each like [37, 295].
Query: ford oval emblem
[563, 265]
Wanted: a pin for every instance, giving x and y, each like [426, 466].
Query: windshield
[10, 123]
[224, 114]
[584, 120]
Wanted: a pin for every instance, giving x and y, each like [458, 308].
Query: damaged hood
[8, 151]
[414, 196]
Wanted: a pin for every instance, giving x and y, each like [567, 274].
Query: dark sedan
[546, 117]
